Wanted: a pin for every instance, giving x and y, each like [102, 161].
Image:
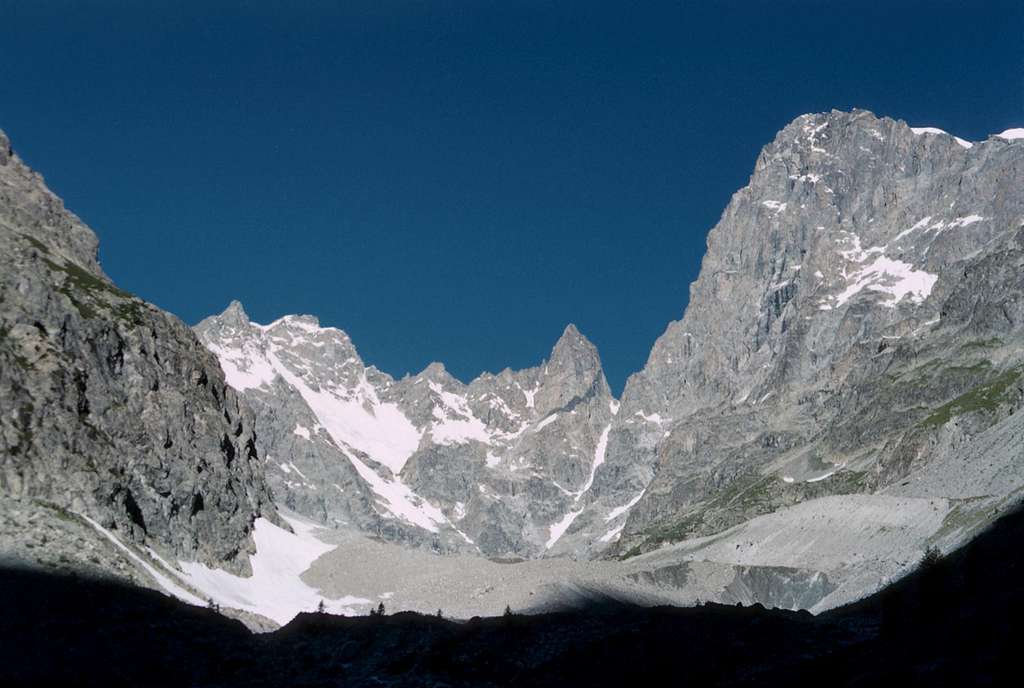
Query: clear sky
[456, 181]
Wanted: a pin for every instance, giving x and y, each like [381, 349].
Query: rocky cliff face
[111, 408]
[857, 316]
[497, 466]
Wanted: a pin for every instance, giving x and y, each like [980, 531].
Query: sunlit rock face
[866, 276]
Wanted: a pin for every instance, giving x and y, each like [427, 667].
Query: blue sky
[456, 181]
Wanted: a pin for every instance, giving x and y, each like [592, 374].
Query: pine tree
[320, 607]
[932, 556]
[508, 610]
[439, 614]
[380, 609]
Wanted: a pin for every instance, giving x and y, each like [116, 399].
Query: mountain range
[840, 396]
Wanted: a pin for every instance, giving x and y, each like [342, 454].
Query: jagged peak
[572, 342]
[574, 352]
[435, 368]
[797, 130]
[236, 308]
[234, 314]
[436, 372]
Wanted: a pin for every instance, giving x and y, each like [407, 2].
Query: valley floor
[952, 622]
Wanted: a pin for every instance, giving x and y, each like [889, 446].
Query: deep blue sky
[456, 181]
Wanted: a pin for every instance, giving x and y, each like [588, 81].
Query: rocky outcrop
[112, 409]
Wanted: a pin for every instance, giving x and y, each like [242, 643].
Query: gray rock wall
[111, 407]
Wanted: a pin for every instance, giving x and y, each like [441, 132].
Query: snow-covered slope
[496, 466]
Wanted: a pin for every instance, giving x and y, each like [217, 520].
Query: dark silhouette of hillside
[954, 622]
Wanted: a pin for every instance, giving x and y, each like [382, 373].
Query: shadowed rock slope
[950, 623]
[111, 408]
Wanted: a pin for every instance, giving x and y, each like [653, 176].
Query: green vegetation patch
[83, 281]
[88, 293]
[746, 497]
[991, 343]
[58, 511]
[976, 369]
[985, 397]
[39, 246]
[966, 516]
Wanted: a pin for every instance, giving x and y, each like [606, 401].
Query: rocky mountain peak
[848, 218]
[574, 352]
[436, 372]
[844, 252]
[571, 340]
[572, 372]
[234, 315]
[27, 202]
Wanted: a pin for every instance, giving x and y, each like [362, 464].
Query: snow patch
[965, 221]
[398, 499]
[920, 224]
[821, 477]
[275, 589]
[653, 418]
[546, 422]
[892, 277]
[599, 453]
[244, 368]
[359, 419]
[459, 431]
[612, 534]
[935, 130]
[619, 510]
[883, 274]
[558, 529]
[456, 423]
[163, 581]
[1012, 134]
